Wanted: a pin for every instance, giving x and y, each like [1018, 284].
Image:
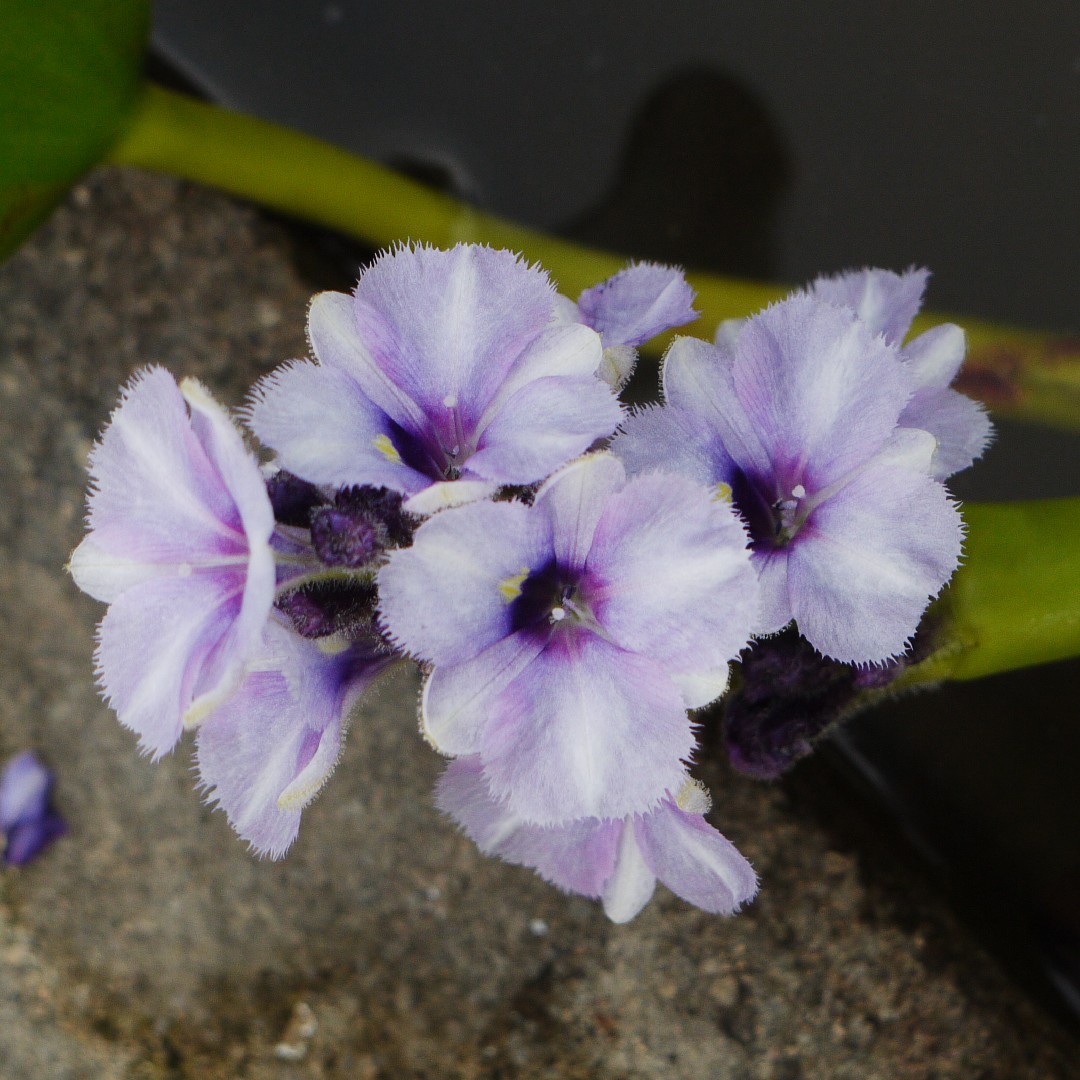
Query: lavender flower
[616, 861]
[444, 377]
[28, 822]
[179, 548]
[799, 423]
[568, 638]
[266, 752]
[888, 303]
[628, 309]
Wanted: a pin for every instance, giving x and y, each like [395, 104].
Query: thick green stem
[1022, 373]
[1015, 601]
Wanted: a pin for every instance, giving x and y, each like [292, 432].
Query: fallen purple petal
[28, 823]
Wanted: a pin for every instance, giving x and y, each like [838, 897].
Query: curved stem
[1015, 601]
[1027, 374]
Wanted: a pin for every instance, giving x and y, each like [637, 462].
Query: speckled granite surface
[148, 943]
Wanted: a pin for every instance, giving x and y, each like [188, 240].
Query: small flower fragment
[28, 823]
[630, 308]
[887, 303]
[568, 638]
[615, 861]
[268, 750]
[179, 548]
[798, 422]
[444, 377]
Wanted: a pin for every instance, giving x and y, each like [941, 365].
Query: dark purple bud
[346, 538]
[380, 505]
[362, 523]
[326, 608]
[789, 695]
[27, 821]
[293, 499]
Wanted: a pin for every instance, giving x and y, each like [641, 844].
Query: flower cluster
[452, 479]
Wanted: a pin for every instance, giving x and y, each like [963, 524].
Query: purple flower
[799, 421]
[179, 548]
[444, 377]
[569, 637]
[888, 303]
[266, 752]
[616, 861]
[628, 309]
[28, 822]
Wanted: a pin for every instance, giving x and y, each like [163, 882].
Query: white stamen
[450, 401]
[558, 614]
[798, 491]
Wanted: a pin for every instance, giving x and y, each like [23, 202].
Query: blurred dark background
[776, 141]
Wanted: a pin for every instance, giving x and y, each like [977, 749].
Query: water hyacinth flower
[630, 308]
[445, 376]
[568, 638]
[615, 861]
[28, 823]
[799, 421]
[887, 303]
[267, 751]
[179, 548]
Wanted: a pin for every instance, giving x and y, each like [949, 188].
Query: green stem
[1026, 374]
[1015, 601]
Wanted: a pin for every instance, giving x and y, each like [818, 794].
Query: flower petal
[632, 883]
[774, 611]
[233, 463]
[887, 302]
[959, 425]
[29, 838]
[573, 500]
[638, 303]
[444, 599]
[267, 752]
[935, 358]
[821, 391]
[586, 730]
[698, 380]
[700, 688]
[24, 790]
[564, 351]
[158, 502]
[863, 568]
[669, 574]
[450, 324]
[672, 439]
[457, 700]
[542, 427]
[578, 857]
[448, 493]
[695, 861]
[153, 645]
[326, 431]
[338, 344]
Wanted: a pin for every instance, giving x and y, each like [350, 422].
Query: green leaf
[70, 72]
